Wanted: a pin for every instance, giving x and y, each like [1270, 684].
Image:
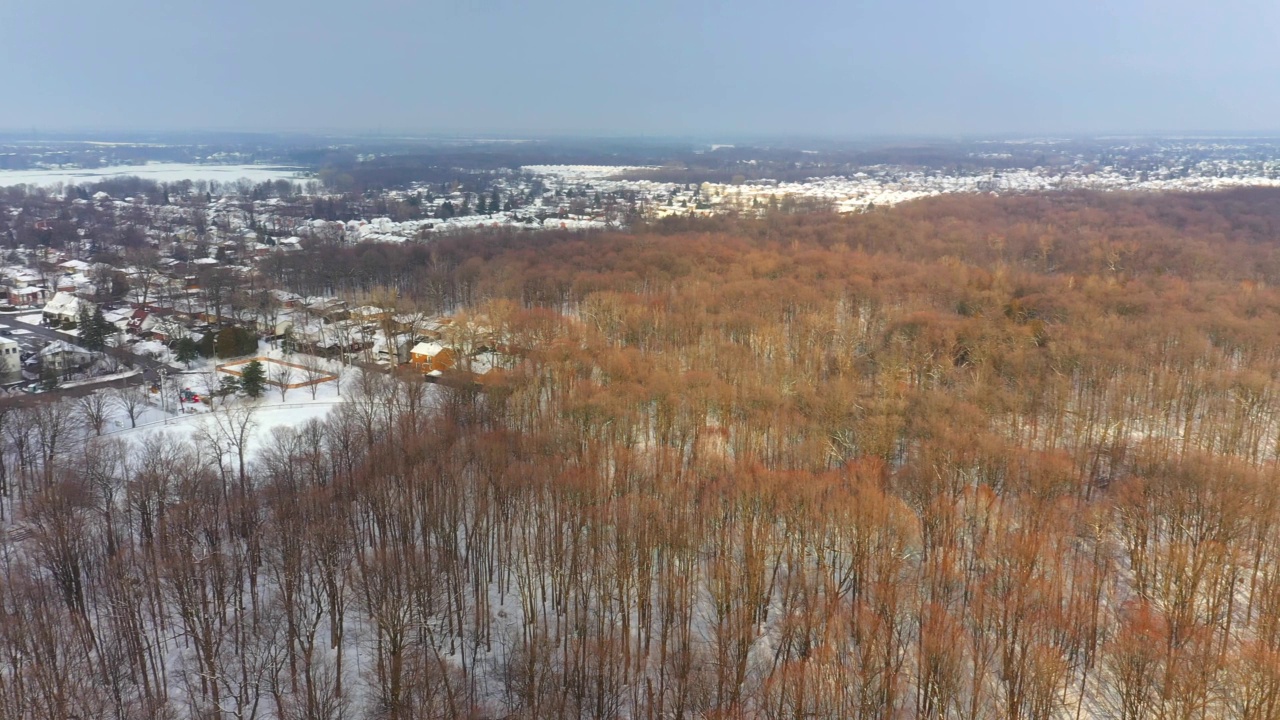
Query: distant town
[170, 243]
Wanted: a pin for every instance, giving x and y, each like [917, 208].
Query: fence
[323, 378]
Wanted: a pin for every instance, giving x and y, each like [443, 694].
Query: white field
[159, 172]
[269, 413]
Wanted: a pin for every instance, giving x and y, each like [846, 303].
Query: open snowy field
[159, 172]
[268, 413]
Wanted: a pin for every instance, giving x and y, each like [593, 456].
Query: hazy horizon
[662, 70]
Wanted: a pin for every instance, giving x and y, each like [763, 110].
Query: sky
[731, 68]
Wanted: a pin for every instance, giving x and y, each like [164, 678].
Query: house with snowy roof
[432, 357]
[61, 356]
[64, 307]
[27, 296]
[140, 322]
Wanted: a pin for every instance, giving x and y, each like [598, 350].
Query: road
[150, 368]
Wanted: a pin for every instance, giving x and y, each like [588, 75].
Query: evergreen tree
[253, 380]
[102, 328]
[186, 351]
[228, 385]
[92, 329]
[225, 345]
[233, 342]
[248, 341]
[482, 205]
[82, 316]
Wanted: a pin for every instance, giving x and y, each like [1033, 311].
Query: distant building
[10, 356]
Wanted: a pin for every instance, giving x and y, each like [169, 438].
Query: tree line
[970, 458]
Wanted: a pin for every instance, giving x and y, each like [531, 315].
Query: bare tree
[147, 277]
[55, 425]
[228, 432]
[281, 376]
[96, 408]
[132, 400]
[313, 372]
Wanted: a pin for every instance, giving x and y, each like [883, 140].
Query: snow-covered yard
[267, 413]
[265, 416]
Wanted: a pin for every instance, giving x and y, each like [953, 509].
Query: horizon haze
[828, 69]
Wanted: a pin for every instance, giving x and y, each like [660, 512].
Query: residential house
[63, 308]
[286, 298]
[119, 319]
[140, 322]
[167, 329]
[393, 352]
[63, 357]
[370, 314]
[432, 357]
[27, 296]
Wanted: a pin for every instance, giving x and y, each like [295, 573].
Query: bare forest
[969, 458]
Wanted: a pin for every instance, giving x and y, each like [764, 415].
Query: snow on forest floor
[191, 421]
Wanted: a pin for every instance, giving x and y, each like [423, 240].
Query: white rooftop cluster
[583, 172]
[889, 185]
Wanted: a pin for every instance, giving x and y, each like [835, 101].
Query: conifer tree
[93, 334]
[253, 380]
[187, 351]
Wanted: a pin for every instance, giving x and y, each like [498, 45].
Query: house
[24, 278]
[402, 344]
[27, 296]
[10, 356]
[63, 308]
[62, 356]
[326, 307]
[168, 330]
[119, 319]
[286, 298]
[370, 314]
[432, 357]
[140, 322]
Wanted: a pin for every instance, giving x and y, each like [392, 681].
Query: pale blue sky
[736, 67]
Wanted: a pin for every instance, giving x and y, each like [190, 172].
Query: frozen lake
[160, 172]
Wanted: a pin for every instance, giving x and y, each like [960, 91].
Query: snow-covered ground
[159, 172]
[191, 421]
